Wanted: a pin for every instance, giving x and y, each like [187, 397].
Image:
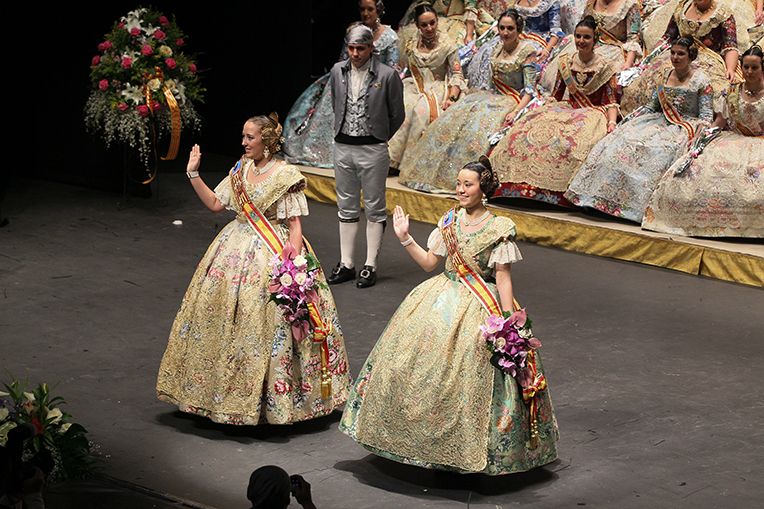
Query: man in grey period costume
[367, 98]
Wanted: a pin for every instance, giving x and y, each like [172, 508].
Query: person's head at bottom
[269, 488]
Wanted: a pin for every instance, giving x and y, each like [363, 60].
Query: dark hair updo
[753, 51]
[379, 5]
[489, 182]
[421, 9]
[689, 44]
[516, 17]
[589, 22]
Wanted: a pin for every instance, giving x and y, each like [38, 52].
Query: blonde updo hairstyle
[270, 131]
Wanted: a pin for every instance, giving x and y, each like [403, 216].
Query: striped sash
[469, 277]
[670, 112]
[577, 98]
[267, 233]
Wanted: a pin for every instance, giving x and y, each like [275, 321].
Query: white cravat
[357, 79]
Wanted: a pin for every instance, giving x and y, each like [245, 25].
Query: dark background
[253, 57]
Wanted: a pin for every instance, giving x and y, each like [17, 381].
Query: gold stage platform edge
[575, 231]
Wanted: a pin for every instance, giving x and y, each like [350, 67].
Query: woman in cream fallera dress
[231, 356]
[428, 394]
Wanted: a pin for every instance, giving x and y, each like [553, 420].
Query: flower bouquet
[143, 85]
[293, 288]
[55, 432]
[510, 340]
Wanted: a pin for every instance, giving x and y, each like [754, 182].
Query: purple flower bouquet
[509, 338]
[293, 285]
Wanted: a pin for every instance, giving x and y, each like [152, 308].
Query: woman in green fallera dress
[428, 394]
[231, 356]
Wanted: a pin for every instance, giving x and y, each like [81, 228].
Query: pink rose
[281, 387]
[192, 68]
[164, 21]
[159, 35]
[147, 50]
[170, 63]
[127, 62]
[105, 45]
[142, 110]
[123, 107]
[103, 84]
[121, 24]
[96, 60]
[156, 105]
[180, 42]
[135, 31]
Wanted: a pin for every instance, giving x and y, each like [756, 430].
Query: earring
[266, 153]
[484, 201]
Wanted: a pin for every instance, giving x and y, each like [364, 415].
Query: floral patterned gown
[461, 133]
[545, 148]
[721, 193]
[623, 169]
[714, 36]
[433, 72]
[428, 395]
[231, 356]
[309, 126]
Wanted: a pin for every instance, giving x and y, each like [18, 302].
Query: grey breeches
[356, 168]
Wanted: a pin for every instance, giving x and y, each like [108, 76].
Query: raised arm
[425, 259]
[203, 191]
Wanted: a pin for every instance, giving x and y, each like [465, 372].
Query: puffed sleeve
[455, 76]
[729, 36]
[705, 102]
[721, 106]
[553, 14]
[559, 87]
[292, 203]
[504, 252]
[224, 192]
[436, 244]
[633, 30]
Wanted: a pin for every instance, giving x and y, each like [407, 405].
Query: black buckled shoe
[340, 274]
[367, 277]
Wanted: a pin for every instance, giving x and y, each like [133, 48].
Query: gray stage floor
[656, 376]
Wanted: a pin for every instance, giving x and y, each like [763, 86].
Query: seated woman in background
[542, 151]
[619, 28]
[435, 83]
[309, 127]
[623, 169]
[712, 25]
[720, 193]
[461, 133]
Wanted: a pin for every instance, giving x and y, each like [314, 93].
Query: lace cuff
[470, 14]
[436, 244]
[504, 252]
[633, 45]
[224, 192]
[291, 205]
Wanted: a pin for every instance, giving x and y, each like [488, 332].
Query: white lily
[29, 396]
[3, 413]
[54, 415]
[132, 94]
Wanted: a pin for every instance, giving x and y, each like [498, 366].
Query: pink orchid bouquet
[294, 284]
[509, 338]
[137, 64]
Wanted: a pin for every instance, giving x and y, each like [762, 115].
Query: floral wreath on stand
[143, 87]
